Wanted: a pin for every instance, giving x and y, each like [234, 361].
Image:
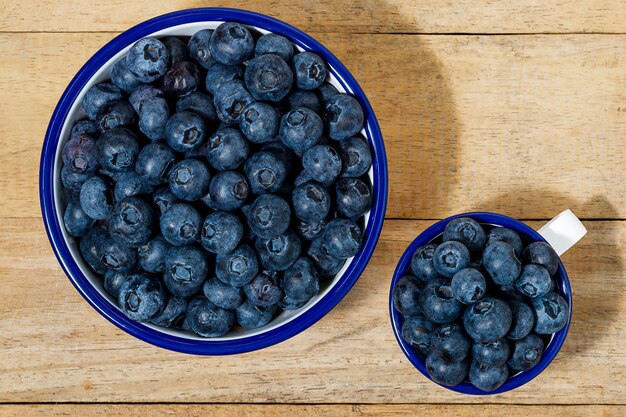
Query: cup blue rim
[172, 342]
[402, 269]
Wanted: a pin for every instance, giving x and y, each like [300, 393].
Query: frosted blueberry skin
[237, 268]
[342, 238]
[506, 235]
[177, 49]
[279, 252]
[327, 265]
[269, 216]
[118, 150]
[153, 118]
[172, 314]
[131, 184]
[219, 74]
[231, 43]
[152, 255]
[300, 129]
[131, 221]
[309, 69]
[90, 249]
[468, 232]
[301, 280]
[76, 221]
[268, 78]
[523, 320]
[189, 180]
[251, 316]
[344, 116]
[98, 95]
[96, 198]
[154, 162]
[227, 149]
[230, 99]
[356, 157]
[181, 79]
[488, 378]
[437, 302]
[141, 297]
[422, 263]
[406, 295]
[186, 268]
[198, 103]
[444, 372]
[541, 253]
[469, 285]
[199, 50]
[208, 320]
[185, 131]
[180, 225]
[113, 281]
[311, 202]
[148, 59]
[488, 320]
[450, 342]
[228, 191]
[264, 290]
[526, 353]
[259, 122]
[501, 263]
[80, 154]
[266, 172]
[123, 77]
[143, 93]
[117, 256]
[302, 98]
[114, 114]
[221, 232]
[551, 311]
[223, 295]
[353, 198]
[492, 353]
[417, 331]
[534, 281]
[271, 43]
[322, 163]
[450, 257]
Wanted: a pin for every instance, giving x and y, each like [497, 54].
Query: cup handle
[563, 231]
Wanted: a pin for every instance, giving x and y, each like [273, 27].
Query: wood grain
[522, 125]
[55, 348]
[424, 16]
[279, 410]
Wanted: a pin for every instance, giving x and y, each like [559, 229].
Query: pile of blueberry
[473, 309]
[217, 179]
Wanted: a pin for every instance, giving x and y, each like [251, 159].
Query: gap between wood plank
[316, 404]
[11, 32]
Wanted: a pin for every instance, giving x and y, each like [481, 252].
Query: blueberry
[269, 216]
[450, 342]
[116, 114]
[487, 320]
[185, 270]
[189, 180]
[172, 314]
[208, 320]
[164, 199]
[406, 294]
[199, 49]
[153, 118]
[326, 91]
[437, 302]
[301, 280]
[181, 79]
[154, 162]
[272, 43]
[552, 313]
[263, 290]
[219, 74]
[227, 149]
[223, 295]
[231, 43]
[118, 149]
[450, 257]
[327, 265]
[468, 232]
[96, 198]
[184, 131]
[311, 202]
[268, 78]
[152, 255]
[143, 93]
[113, 281]
[80, 154]
[322, 163]
[279, 252]
[251, 316]
[117, 256]
[534, 281]
[488, 378]
[468, 285]
[310, 230]
[148, 59]
[353, 197]
[309, 69]
[85, 127]
[141, 297]
[508, 292]
[180, 225]
[281, 151]
[300, 129]
[444, 372]
[98, 95]
[266, 172]
[228, 191]
[131, 184]
[523, 320]
[76, 221]
[177, 49]
[123, 77]
[237, 268]
[342, 238]
[230, 98]
[526, 353]
[198, 103]
[418, 331]
[492, 353]
[131, 221]
[288, 304]
[356, 157]
[90, 249]
[541, 253]
[506, 235]
[303, 98]
[501, 263]
[72, 180]
[259, 122]
[221, 232]
[422, 263]
[344, 115]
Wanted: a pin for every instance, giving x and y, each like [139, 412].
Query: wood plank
[283, 410]
[55, 348]
[423, 16]
[523, 125]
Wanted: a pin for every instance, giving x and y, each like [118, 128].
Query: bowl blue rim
[175, 343]
[403, 267]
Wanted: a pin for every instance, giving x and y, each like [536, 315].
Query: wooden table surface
[512, 106]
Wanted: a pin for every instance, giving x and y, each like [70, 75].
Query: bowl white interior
[60, 197]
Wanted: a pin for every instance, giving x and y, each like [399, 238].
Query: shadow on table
[595, 268]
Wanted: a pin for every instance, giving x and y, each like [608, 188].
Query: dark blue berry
[221, 232]
[541, 253]
[309, 69]
[437, 302]
[344, 115]
[172, 314]
[342, 238]
[322, 163]
[117, 256]
[228, 191]
[501, 263]
[506, 235]
[90, 249]
[185, 270]
[184, 131]
[469, 285]
[141, 297]
[227, 149]
[96, 198]
[72, 180]
[198, 103]
[189, 180]
[264, 290]
[123, 77]
[231, 43]
[488, 320]
[113, 281]
[327, 265]
[80, 154]
[76, 221]
[131, 221]
[199, 49]
[148, 59]
[259, 122]
[266, 172]
[468, 232]
[251, 316]
[269, 216]
[326, 91]
[534, 281]
[223, 295]
[181, 224]
[272, 43]
[177, 49]
[181, 79]
[353, 197]
[301, 280]
[164, 199]
[98, 95]
[444, 372]
[311, 202]
[552, 313]
[492, 353]
[523, 320]
[422, 263]
[418, 331]
[230, 98]
[268, 77]
[310, 230]
[302, 98]
[85, 127]
[526, 353]
[288, 304]
[219, 74]
[406, 295]
[237, 268]
[154, 162]
[116, 114]
[118, 150]
[450, 257]
[208, 320]
[300, 129]
[356, 157]
[153, 118]
[279, 252]
[488, 378]
[450, 342]
[143, 93]
[131, 184]
[152, 255]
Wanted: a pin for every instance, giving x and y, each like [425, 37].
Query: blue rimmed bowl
[433, 235]
[53, 198]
